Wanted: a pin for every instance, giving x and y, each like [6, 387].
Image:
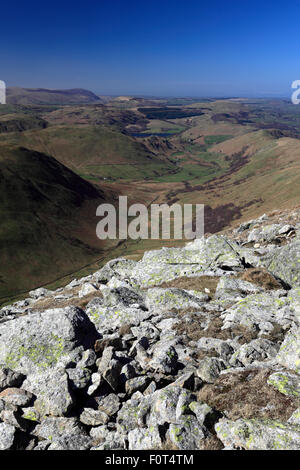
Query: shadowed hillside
[47, 226]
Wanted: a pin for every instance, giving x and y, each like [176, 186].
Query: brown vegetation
[247, 395]
[261, 277]
[73, 301]
[190, 327]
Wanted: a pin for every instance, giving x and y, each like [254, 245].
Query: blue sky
[170, 48]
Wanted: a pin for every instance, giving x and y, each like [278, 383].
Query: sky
[154, 48]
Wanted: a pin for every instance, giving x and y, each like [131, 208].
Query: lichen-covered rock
[286, 382]
[295, 418]
[289, 352]
[213, 251]
[158, 299]
[53, 428]
[147, 330]
[71, 443]
[92, 417]
[202, 256]
[12, 416]
[37, 342]
[265, 233]
[257, 434]
[53, 392]
[107, 439]
[31, 414]
[133, 414]
[16, 396]
[110, 368]
[257, 350]
[165, 404]
[79, 377]
[9, 378]
[225, 349]
[122, 296]
[109, 404]
[86, 289]
[137, 384]
[97, 381]
[231, 288]
[108, 319]
[120, 268]
[204, 413]
[187, 434]
[165, 358]
[7, 435]
[261, 310]
[182, 407]
[42, 445]
[145, 438]
[209, 369]
[128, 372]
[186, 380]
[284, 262]
[40, 292]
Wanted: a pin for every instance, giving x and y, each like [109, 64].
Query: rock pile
[189, 348]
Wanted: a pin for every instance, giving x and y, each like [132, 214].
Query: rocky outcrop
[130, 369]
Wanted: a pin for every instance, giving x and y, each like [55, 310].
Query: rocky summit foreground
[190, 348]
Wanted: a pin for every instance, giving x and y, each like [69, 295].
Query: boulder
[210, 368]
[145, 439]
[92, 417]
[187, 434]
[37, 342]
[7, 436]
[289, 352]
[53, 392]
[9, 378]
[158, 299]
[258, 434]
[286, 383]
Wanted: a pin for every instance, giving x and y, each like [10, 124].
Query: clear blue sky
[167, 47]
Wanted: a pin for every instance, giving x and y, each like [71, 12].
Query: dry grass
[211, 443]
[198, 283]
[247, 395]
[190, 327]
[125, 330]
[167, 445]
[261, 277]
[74, 301]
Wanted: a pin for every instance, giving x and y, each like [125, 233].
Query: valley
[64, 153]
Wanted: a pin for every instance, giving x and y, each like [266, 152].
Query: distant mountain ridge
[27, 96]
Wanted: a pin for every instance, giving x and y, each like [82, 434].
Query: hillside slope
[47, 226]
[94, 152]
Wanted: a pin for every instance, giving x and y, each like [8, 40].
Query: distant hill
[47, 220]
[93, 152]
[37, 96]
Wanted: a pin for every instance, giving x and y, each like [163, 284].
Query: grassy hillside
[94, 152]
[47, 226]
[18, 122]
